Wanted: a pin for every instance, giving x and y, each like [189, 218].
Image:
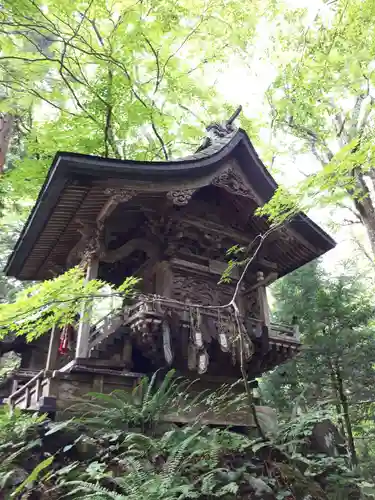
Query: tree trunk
[6, 122]
[369, 225]
[348, 423]
[337, 400]
[365, 207]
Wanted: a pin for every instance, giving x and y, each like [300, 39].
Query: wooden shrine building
[169, 223]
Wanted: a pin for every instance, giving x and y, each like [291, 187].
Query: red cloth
[66, 337]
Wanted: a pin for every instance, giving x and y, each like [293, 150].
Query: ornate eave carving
[117, 196]
[189, 239]
[120, 195]
[232, 181]
[181, 197]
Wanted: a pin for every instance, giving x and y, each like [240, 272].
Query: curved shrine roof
[77, 183]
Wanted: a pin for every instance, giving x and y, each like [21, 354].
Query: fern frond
[162, 397]
[93, 490]
[150, 387]
[174, 461]
[29, 446]
[137, 445]
[4, 477]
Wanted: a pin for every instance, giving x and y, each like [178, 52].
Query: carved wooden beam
[210, 227]
[77, 253]
[91, 243]
[136, 244]
[180, 197]
[232, 181]
[117, 196]
[266, 264]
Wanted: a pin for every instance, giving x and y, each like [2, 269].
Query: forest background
[141, 80]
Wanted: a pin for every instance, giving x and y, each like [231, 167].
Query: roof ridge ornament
[218, 130]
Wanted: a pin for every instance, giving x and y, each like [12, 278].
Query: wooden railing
[284, 331]
[25, 390]
[151, 308]
[105, 327]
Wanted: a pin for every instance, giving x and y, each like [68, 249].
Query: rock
[270, 452]
[325, 438]
[301, 486]
[267, 418]
[86, 449]
[18, 476]
[163, 427]
[261, 489]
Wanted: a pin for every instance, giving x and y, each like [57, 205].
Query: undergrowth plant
[122, 448]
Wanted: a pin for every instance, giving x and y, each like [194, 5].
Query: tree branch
[162, 144]
[156, 55]
[25, 59]
[361, 124]
[339, 25]
[185, 108]
[38, 95]
[351, 210]
[186, 39]
[314, 141]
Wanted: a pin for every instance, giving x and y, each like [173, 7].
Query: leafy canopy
[38, 308]
[323, 100]
[112, 77]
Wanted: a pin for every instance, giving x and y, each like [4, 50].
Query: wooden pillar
[127, 353]
[27, 397]
[263, 301]
[38, 388]
[52, 348]
[296, 333]
[84, 324]
[14, 386]
[164, 279]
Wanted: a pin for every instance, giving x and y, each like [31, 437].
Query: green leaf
[34, 475]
